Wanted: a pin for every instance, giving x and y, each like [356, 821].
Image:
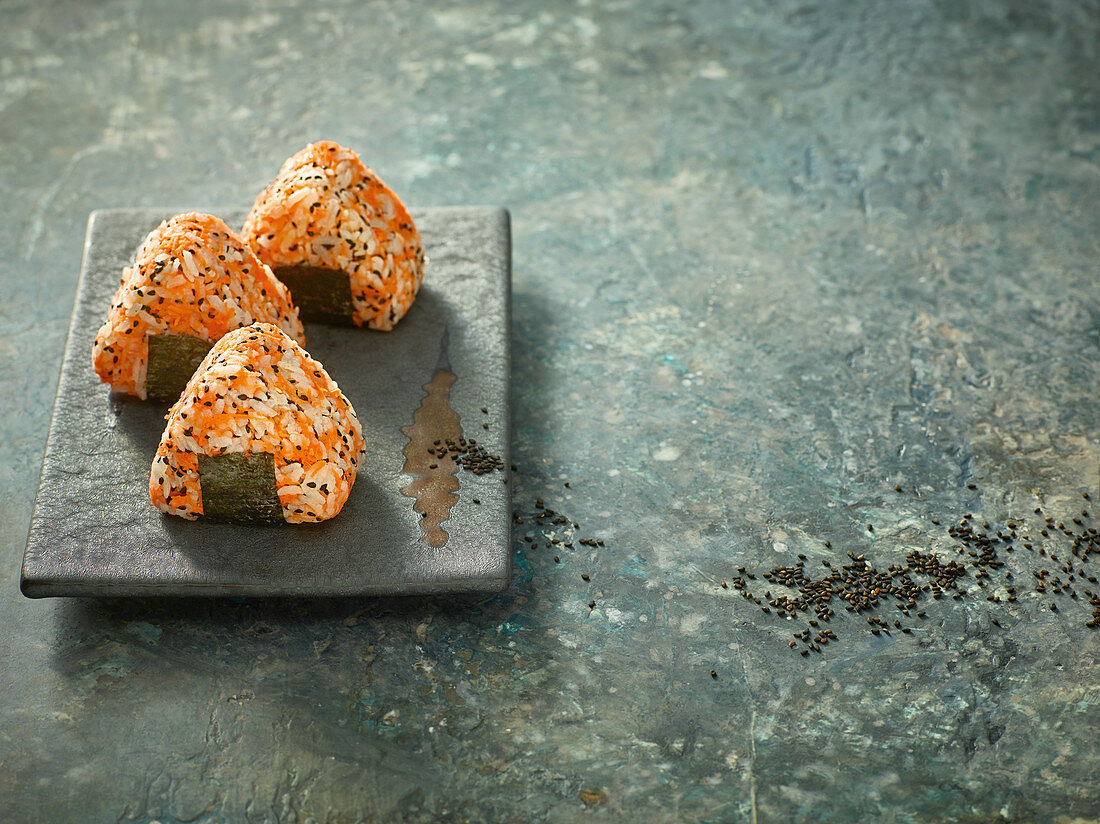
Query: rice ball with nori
[261, 433]
[339, 238]
[193, 280]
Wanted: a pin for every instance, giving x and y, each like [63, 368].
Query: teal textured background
[771, 259]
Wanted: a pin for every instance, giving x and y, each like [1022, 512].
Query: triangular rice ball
[339, 238]
[260, 433]
[193, 280]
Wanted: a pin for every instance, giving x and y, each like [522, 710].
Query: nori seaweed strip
[173, 359]
[239, 486]
[321, 295]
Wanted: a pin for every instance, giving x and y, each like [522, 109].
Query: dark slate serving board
[94, 531]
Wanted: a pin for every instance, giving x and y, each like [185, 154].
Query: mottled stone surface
[771, 259]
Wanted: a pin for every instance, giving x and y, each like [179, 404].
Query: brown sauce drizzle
[435, 480]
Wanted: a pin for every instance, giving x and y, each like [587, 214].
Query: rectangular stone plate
[94, 531]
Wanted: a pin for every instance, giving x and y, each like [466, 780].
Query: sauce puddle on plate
[434, 473]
